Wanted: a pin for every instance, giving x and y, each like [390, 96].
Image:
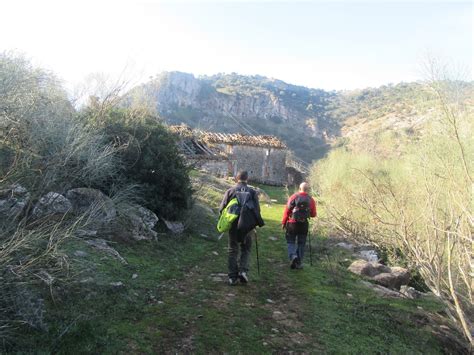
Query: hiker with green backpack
[239, 215]
[298, 210]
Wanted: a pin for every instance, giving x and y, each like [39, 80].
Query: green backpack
[229, 214]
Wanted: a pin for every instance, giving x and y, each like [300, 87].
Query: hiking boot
[294, 262]
[233, 282]
[299, 266]
[243, 277]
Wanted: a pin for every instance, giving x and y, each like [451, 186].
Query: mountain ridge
[310, 121]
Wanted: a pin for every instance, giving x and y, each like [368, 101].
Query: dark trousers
[242, 245]
[296, 234]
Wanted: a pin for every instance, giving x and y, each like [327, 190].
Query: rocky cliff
[246, 104]
[308, 120]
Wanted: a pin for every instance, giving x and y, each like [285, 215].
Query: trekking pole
[310, 252]
[256, 248]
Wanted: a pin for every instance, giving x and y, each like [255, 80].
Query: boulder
[13, 201]
[174, 227]
[402, 276]
[148, 218]
[143, 221]
[86, 200]
[365, 268]
[388, 279]
[392, 278]
[382, 291]
[135, 225]
[51, 204]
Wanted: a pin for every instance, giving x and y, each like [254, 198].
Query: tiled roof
[192, 147]
[241, 139]
[182, 130]
[228, 138]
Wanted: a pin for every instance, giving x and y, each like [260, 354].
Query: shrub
[149, 158]
[44, 147]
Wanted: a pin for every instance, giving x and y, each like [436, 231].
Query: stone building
[224, 154]
[200, 155]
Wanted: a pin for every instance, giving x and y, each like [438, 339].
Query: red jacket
[287, 212]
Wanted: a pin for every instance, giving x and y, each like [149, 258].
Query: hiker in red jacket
[299, 208]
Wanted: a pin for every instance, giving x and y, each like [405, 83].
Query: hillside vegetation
[414, 200]
[400, 113]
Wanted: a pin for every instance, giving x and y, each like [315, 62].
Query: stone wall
[220, 168]
[265, 165]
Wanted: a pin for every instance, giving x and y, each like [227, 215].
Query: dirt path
[267, 312]
[320, 309]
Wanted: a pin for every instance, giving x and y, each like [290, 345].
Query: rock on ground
[136, 225]
[392, 278]
[365, 268]
[382, 291]
[51, 204]
[368, 255]
[143, 221]
[13, 201]
[410, 292]
[86, 200]
[102, 245]
[174, 227]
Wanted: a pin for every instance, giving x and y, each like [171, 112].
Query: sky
[330, 45]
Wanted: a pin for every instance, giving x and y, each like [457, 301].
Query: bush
[149, 158]
[44, 147]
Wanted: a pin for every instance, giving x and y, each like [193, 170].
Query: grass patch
[175, 303]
